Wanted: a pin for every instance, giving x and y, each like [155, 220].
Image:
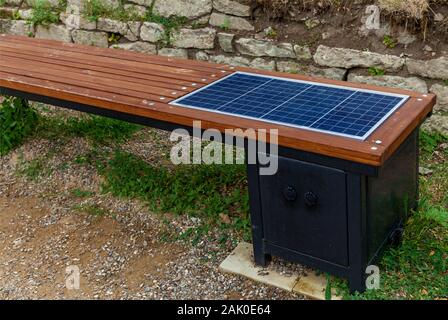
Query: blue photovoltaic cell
[343, 111]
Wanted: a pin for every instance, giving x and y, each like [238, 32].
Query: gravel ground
[122, 253]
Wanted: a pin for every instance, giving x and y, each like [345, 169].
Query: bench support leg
[260, 256]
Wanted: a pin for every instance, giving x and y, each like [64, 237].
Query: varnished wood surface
[144, 85]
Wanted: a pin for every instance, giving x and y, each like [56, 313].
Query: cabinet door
[304, 209]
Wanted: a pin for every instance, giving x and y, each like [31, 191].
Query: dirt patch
[38, 250]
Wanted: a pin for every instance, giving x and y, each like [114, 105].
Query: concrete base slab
[240, 262]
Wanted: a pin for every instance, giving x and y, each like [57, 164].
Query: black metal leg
[417, 174]
[357, 243]
[260, 256]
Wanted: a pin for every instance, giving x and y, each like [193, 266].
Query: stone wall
[224, 31]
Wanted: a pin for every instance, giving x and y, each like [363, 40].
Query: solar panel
[337, 110]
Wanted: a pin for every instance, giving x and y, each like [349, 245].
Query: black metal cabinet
[330, 214]
[304, 209]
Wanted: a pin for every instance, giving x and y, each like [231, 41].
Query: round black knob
[290, 193]
[310, 199]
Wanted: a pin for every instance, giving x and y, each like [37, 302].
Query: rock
[79, 4]
[442, 97]
[233, 61]
[13, 2]
[183, 8]
[434, 69]
[109, 3]
[175, 53]
[92, 38]
[232, 7]
[15, 27]
[259, 48]
[201, 55]
[427, 48]
[74, 9]
[137, 10]
[76, 21]
[437, 123]
[146, 3]
[52, 3]
[53, 32]
[225, 41]
[114, 26]
[406, 38]
[152, 32]
[194, 38]
[260, 63]
[133, 31]
[25, 14]
[288, 66]
[230, 22]
[139, 46]
[303, 52]
[412, 83]
[294, 67]
[202, 21]
[424, 171]
[350, 58]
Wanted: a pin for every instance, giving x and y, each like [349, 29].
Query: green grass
[389, 42]
[95, 9]
[418, 267]
[170, 24]
[44, 14]
[373, 71]
[272, 33]
[33, 169]
[226, 24]
[199, 189]
[204, 191]
[97, 129]
[79, 193]
[429, 143]
[17, 121]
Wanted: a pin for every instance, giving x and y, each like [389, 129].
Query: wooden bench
[138, 88]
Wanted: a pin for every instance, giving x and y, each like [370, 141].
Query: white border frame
[404, 98]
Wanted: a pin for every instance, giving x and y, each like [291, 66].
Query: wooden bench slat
[96, 98]
[73, 83]
[168, 83]
[177, 73]
[88, 78]
[123, 54]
